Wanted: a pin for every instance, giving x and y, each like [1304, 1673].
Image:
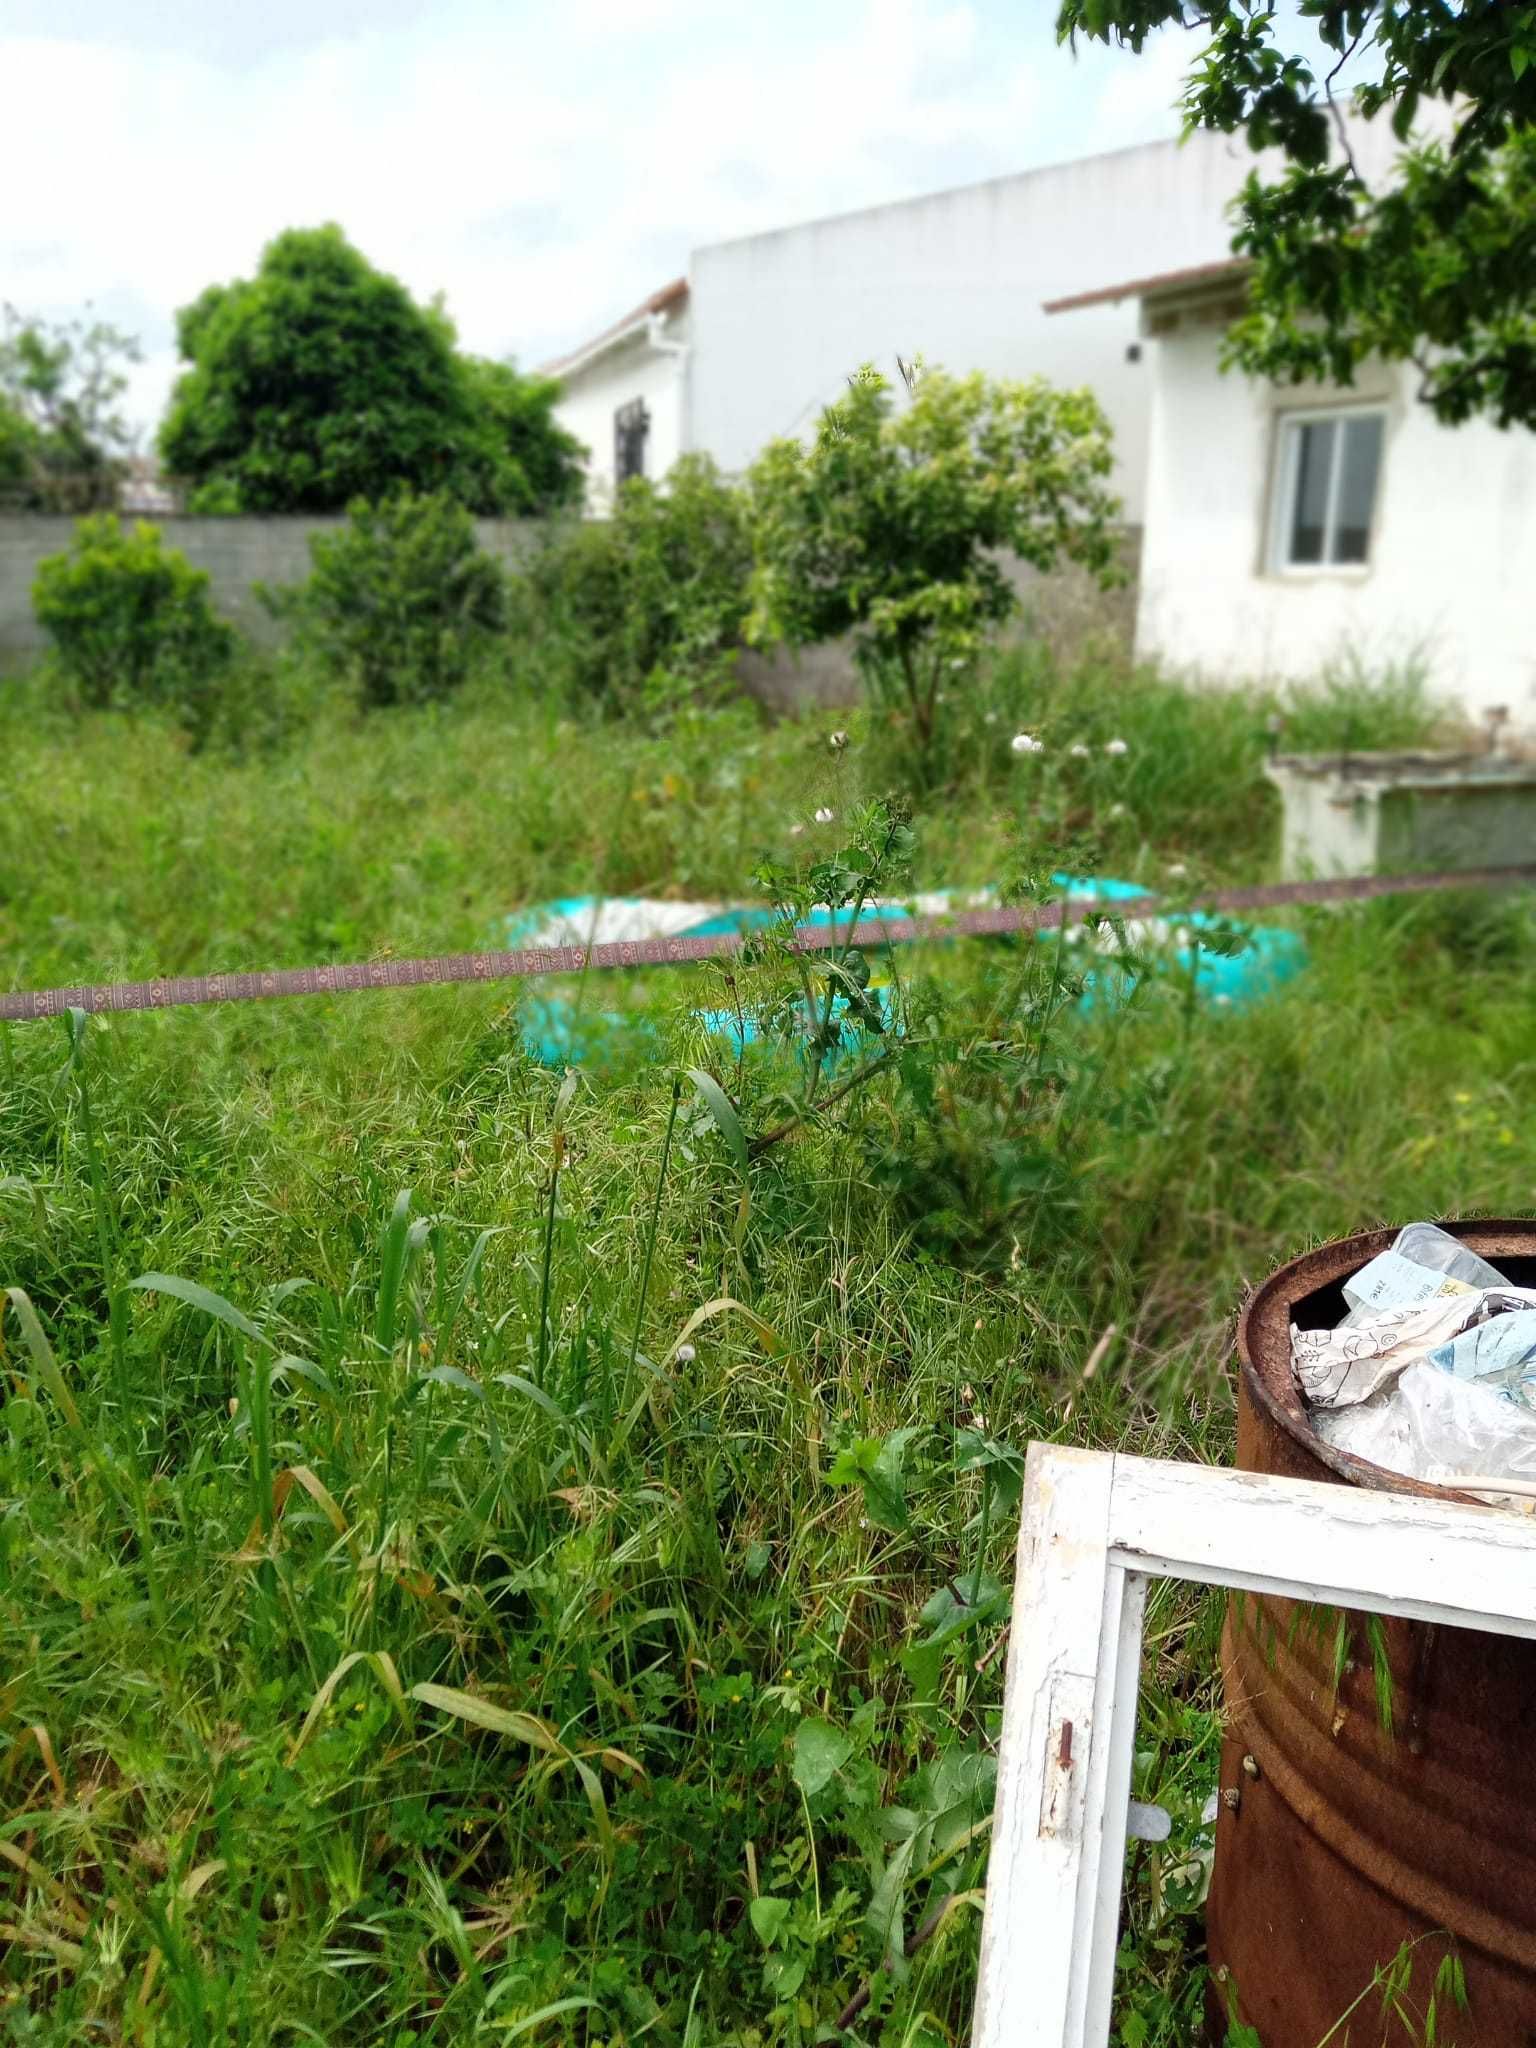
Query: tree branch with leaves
[1432, 266]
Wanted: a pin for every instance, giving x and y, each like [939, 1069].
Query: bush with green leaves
[650, 603]
[403, 599]
[130, 619]
[894, 525]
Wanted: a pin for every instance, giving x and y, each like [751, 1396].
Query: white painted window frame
[1282, 508]
[1096, 1528]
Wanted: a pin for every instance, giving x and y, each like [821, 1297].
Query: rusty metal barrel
[1378, 1777]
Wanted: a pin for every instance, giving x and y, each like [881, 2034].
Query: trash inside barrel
[1378, 1777]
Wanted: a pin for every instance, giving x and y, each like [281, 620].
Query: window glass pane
[1360, 457]
[1314, 462]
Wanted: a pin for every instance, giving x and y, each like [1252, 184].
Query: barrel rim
[1264, 1340]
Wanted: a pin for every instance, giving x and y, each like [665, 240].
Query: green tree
[893, 525]
[1431, 265]
[64, 442]
[647, 606]
[403, 599]
[516, 412]
[320, 381]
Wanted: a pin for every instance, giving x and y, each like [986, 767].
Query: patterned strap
[170, 991]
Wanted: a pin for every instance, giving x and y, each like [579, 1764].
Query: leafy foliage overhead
[1432, 265]
[321, 380]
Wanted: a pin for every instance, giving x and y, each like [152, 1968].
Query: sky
[544, 166]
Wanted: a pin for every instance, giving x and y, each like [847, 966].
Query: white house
[958, 277]
[1282, 528]
[766, 329]
[625, 393]
[1286, 526]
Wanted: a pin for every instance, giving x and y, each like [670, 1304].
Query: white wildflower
[838, 741]
[1079, 751]
[795, 831]
[686, 1354]
[1116, 747]
[1026, 743]
[824, 816]
[1177, 871]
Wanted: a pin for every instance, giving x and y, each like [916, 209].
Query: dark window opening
[631, 425]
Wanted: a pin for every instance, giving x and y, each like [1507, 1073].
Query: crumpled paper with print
[1337, 1368]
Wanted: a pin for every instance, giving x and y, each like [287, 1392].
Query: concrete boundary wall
[1066, 609]
[237, 554]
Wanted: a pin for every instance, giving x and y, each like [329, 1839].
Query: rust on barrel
[1378, 1777]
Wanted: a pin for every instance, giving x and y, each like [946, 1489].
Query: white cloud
[544, 167]
[1140, 99]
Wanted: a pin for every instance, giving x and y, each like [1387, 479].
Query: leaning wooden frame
[1097, 1527]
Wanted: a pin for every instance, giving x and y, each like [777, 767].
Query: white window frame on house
[1282, 505]
[1097, 1528]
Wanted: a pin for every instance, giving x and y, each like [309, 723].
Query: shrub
[891, 524]
[651, 602]
[130, 618]
[403, 599]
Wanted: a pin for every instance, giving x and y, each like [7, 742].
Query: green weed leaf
[965, 1602]
[820, 1753]
[875, 1465]
[768, 1918]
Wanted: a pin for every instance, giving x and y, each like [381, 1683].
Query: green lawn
[505, 1619]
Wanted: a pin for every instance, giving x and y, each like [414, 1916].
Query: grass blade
[203, 1298]
[764, 1332]
[468, 1706]
[383, 1665]
[724, 1116]
[36, 1341]
[394, 1259]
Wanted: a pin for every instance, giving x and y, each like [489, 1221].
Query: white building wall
[960, 278]
[1452, 572]
[633, 368]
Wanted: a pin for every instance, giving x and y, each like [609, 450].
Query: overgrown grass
[387, 1658]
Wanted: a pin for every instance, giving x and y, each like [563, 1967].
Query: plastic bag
[1422, 1264]
[1499, 1353]
[1431, 1425]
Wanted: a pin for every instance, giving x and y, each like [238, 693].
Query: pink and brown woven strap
[167, 992]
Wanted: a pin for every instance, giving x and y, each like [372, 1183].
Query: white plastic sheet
[1433, 1426]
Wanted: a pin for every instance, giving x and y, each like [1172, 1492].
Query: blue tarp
[559, 1031]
